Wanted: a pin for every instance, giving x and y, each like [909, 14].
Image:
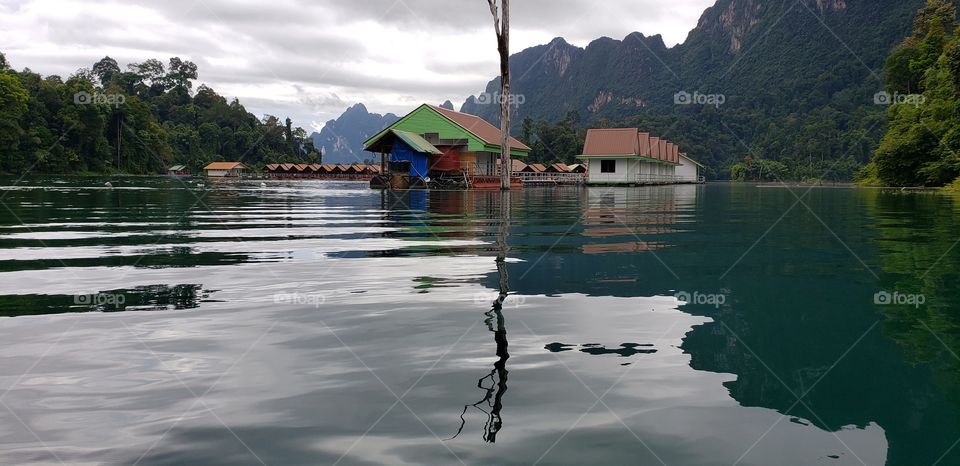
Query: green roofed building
[433, 142]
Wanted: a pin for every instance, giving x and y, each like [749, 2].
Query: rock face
[342, 139]
[778, 64]
[738, 19]
[728, 48]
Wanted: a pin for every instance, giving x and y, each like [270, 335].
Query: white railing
[534, 177]
[555, 178]
[649, 178]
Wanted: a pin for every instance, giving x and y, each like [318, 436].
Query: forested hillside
[923, 75]
[798, 81]
[137, 120]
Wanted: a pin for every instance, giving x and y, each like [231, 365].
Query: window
[608, 166]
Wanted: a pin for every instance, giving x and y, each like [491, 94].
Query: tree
[13, 106]
[150, 71]
[3, 62]
[900, 76]
[105, 70]
[180, 73]
[937, 16]
[501, 25]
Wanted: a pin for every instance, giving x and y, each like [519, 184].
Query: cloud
[310, 60]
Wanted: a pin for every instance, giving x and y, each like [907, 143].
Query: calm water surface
[169, 323]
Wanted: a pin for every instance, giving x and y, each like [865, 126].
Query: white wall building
[225, 170]
[628, 156]
[689, 170]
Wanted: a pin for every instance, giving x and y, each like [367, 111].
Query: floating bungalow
[357, 172]
[627, 156]
[534, 168]
[178, 170]
[225, 170]
[556, 173]
[440, 147]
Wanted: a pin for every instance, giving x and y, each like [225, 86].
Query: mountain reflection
[800, 319]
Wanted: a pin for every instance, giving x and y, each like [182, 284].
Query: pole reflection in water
[494, 384]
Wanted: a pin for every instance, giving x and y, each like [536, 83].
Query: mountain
[785, 80]
[341, 140]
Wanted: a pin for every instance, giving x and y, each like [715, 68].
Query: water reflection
[598, 269]
[625, 350]
[140, 298]
[494, 384]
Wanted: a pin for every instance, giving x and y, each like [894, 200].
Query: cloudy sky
[310, 59]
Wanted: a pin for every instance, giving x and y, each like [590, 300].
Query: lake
[166, 322]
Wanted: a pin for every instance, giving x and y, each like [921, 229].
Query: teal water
[162, 322]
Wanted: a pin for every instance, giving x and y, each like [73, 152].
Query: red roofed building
[629, 156]
[225, 170]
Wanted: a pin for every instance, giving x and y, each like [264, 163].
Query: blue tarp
[419, 162]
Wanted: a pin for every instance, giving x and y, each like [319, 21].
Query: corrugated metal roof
[224, 166]
[176, 168]
[618, 141]
[479, 127]
[416, 142]
[626, 142]
[644, 139]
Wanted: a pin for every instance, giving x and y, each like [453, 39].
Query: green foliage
[559, 142]
[13, 107]
[920, 147]
[953, 187]
[155, 121]
[752, 169]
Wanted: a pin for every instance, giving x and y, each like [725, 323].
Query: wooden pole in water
[501, 24]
